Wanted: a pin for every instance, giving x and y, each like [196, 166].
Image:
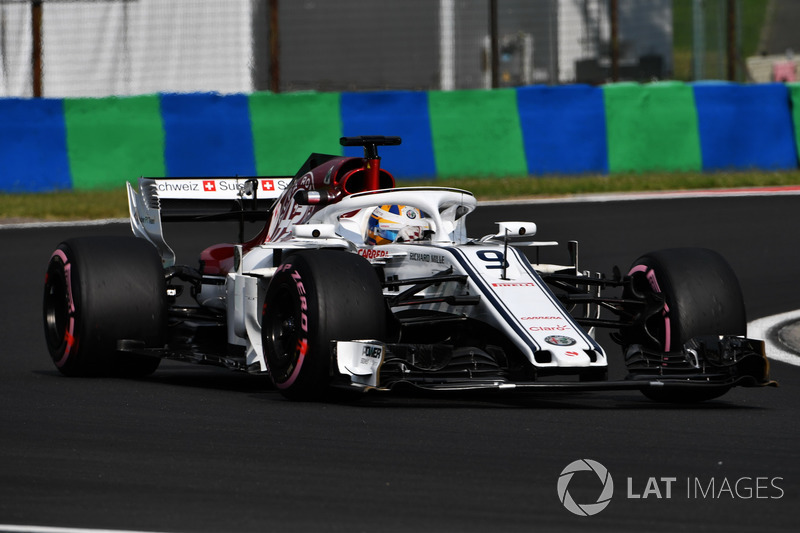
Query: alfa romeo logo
[560, 340]
[585, 509]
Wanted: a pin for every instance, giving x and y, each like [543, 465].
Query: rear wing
[199, 198]
[214, 198]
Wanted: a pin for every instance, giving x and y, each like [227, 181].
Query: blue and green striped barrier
[82, 143]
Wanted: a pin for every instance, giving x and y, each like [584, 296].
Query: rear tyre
[701, 297]
[99, 290]
[315, 297]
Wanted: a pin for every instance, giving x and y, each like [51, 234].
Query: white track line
[10, 528]
[789, 190]
[767, 328]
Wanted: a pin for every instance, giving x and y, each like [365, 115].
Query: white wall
[131, 47]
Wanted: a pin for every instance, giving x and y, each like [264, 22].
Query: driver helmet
[396, 223]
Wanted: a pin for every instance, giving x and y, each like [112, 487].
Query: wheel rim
[58, 313]
[283, 335]
[657, 327]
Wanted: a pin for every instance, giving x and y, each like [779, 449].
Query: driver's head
[396, 223]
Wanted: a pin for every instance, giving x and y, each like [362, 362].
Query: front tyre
[701, 296]
[316, 297]
[99, 290]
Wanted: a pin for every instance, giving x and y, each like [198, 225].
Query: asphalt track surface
[200, 449]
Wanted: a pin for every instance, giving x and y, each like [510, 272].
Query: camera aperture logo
[585, 509]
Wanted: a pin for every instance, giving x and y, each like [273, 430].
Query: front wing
[712, 362]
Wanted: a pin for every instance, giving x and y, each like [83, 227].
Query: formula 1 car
[355, 284]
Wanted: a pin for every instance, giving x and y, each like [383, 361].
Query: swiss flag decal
[267, 185]
[209, 186]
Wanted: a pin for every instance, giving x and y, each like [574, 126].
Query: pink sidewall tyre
[316, 297]
[99, 290]
[701, 296]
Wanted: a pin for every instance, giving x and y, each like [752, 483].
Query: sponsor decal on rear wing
[219, 188]
[200, 198]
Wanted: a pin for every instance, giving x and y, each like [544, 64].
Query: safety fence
[99, 48]
[99, 143]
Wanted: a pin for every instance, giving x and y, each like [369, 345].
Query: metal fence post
[36, 49]
[614, 52]
[731, 40]
[494, 46]
[698, 39]
[274, 48]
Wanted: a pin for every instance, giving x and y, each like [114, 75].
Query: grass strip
[64, 205]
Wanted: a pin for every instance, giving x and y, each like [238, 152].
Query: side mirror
[524, 230]
[314, 231]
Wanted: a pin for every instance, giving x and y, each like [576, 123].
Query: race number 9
[494, 258]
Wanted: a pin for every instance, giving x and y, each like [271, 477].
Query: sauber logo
[209, 186]
[267, 185]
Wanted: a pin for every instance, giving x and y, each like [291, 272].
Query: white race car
[355, 284]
